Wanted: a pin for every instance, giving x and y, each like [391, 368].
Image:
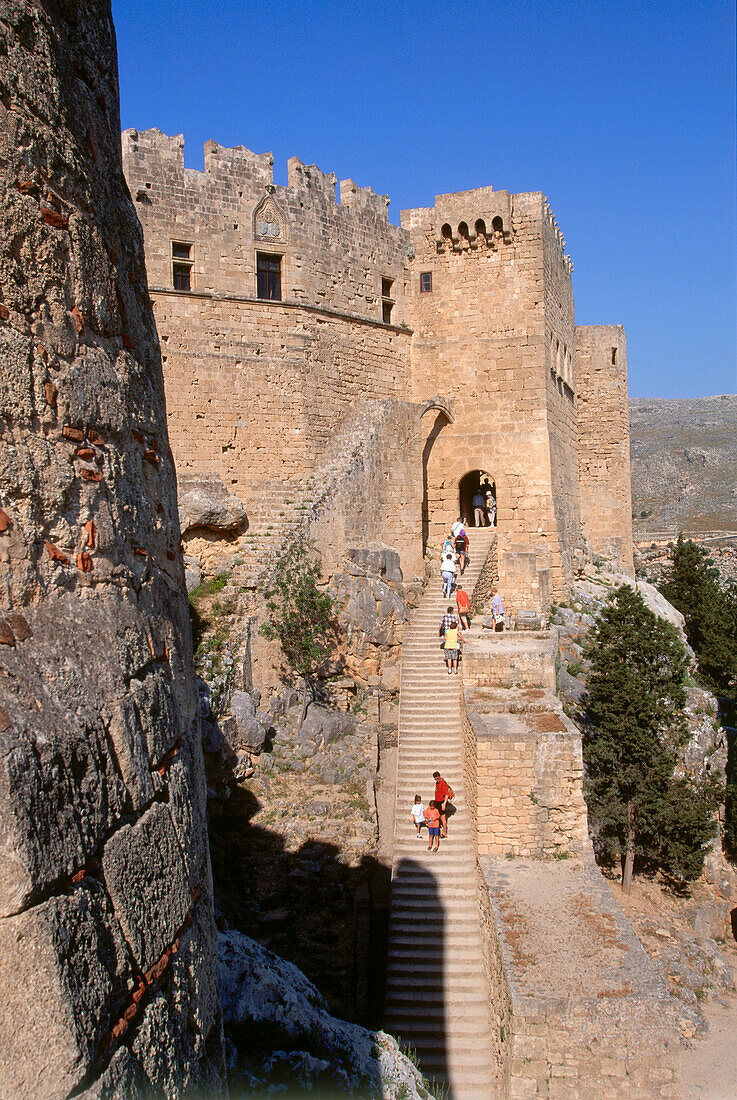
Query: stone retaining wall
[529, 788]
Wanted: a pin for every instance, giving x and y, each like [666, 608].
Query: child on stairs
[418, 814]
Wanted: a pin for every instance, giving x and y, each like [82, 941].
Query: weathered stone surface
[61, 973]
[147, 881]
[205, 502]
[96, 681]
[711, 920]
[250, 732]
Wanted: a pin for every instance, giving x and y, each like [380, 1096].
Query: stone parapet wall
[511, 660]
[604, 442]
[589, 1013]
[578, 1007]
[529, 794]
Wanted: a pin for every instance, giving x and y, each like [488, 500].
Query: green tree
[300, 616]
[635, 726]
[710, 611]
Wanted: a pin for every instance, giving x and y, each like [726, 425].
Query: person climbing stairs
[437, 997]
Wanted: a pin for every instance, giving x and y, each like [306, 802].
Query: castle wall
[334, 255]
[560, 388]
[108, 974]
[480, 340]
[257, 390]
[604, 453]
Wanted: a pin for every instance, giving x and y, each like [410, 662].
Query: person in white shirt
[418, 813]
[448, 572]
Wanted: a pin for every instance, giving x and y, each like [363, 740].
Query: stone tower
[490, 302]
[107, 938]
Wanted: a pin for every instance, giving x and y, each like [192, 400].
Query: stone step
[434, 934]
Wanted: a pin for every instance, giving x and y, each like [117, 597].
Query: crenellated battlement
[205, 230]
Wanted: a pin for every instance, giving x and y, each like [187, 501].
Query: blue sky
[623, 114]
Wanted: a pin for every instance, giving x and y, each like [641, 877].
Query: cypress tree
[635, 726]
[710, 611]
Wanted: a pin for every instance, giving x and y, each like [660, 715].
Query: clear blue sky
[623, 114]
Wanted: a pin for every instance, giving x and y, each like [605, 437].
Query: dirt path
[709, 1067]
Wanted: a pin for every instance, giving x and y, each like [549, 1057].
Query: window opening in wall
[480, 228]
[387, 302]
[268, 276]
[614, 357]
[497, 225]
[425, 281]
[181, 266]
[463, 231]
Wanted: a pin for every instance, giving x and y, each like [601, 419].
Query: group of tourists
[453, 556]
[484, 506]
[435, 816]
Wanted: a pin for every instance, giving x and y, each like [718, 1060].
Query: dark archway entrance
[471, 483]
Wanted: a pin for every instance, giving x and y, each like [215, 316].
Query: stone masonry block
[148, 883]
[62, 970]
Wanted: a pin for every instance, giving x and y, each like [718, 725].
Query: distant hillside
[684, 463]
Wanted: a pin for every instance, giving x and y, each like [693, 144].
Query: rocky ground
[691, 939]
[294, 825]
[281, 1038]
[652, 556]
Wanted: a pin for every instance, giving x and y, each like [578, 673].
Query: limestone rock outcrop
[106, 927]
[263, 994]
[205, 502]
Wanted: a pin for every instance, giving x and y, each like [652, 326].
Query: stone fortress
[335, 376]
[296, 329]
[354, 381]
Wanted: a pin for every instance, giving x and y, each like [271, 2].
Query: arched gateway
[471, 483]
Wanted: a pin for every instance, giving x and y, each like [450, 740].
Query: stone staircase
[279, 510]
[437, 996]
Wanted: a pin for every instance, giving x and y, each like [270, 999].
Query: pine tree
[635, 726]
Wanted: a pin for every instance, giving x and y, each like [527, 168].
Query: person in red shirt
[464, 606]
[443, 794]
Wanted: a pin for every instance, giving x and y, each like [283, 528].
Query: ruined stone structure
[107, 939]
[287, 318]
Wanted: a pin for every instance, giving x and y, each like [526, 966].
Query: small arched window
[447, 232]
[480, 228]
[497, 224]
[463, 231]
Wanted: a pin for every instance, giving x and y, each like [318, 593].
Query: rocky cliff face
[107, 942]
[684, 463]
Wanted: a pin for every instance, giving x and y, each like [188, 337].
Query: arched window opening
[480, 228]
[477, 499]
[447, 232]
[498, 226]
[463, 231]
